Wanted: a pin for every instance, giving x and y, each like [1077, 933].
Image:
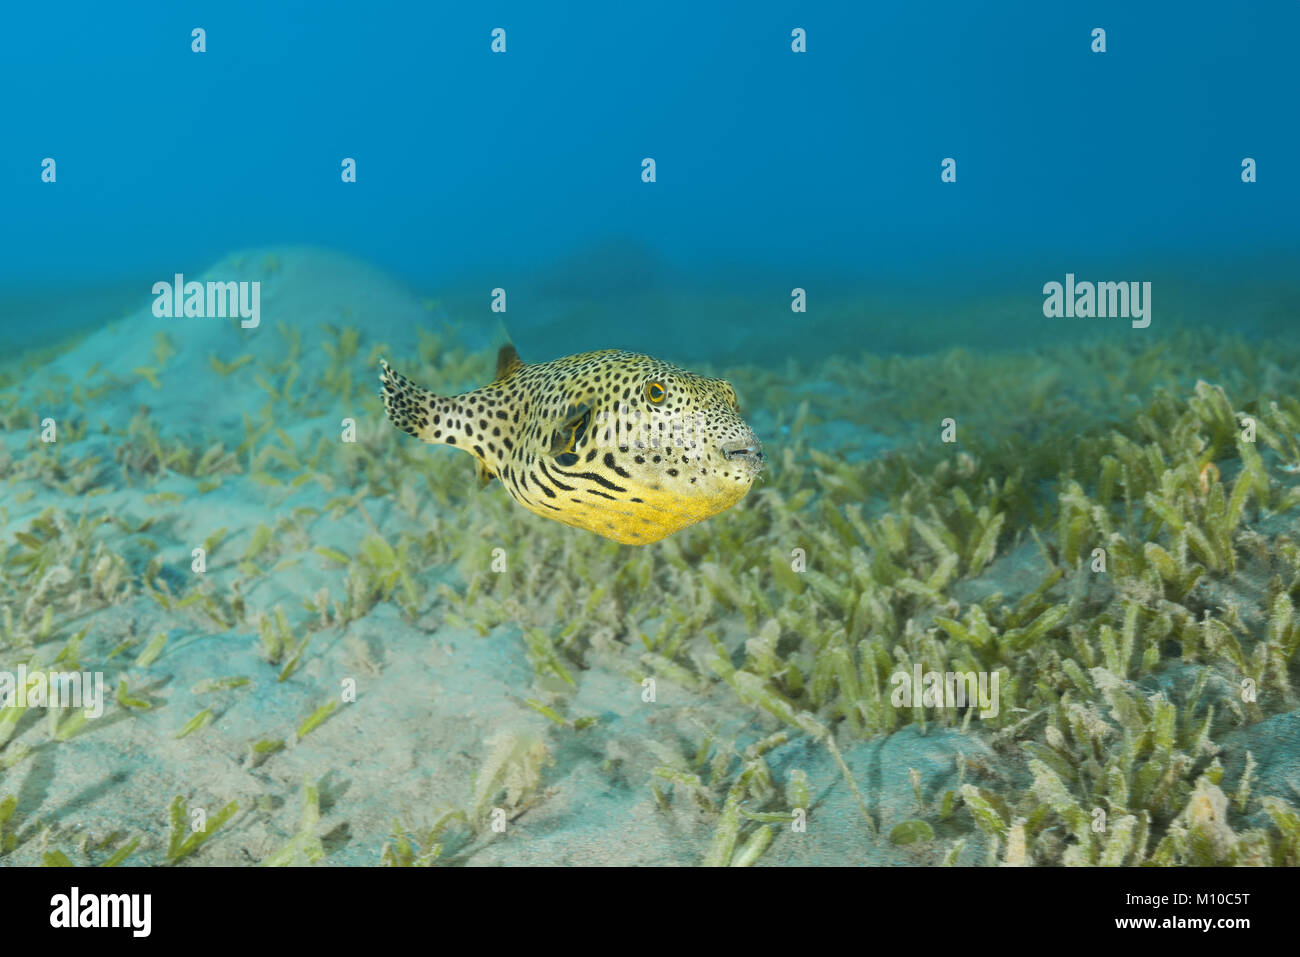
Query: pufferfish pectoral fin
[569, 433]
[485, 475]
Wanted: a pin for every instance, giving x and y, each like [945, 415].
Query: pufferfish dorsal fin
[570, 432]
[508, 361]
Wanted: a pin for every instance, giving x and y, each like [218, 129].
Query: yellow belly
[658, 515]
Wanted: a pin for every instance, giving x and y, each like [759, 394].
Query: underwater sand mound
[198, 368]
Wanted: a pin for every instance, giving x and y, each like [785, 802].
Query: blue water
[771, 165]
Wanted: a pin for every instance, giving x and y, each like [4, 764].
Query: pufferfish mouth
[747, 450]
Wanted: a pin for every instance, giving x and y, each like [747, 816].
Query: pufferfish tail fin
[409, 407]
[417, 412]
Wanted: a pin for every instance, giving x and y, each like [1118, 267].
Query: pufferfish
[621, 444]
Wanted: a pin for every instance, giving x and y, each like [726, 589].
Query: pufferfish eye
[655, 392]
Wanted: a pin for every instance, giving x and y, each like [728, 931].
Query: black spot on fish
[611, 464]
